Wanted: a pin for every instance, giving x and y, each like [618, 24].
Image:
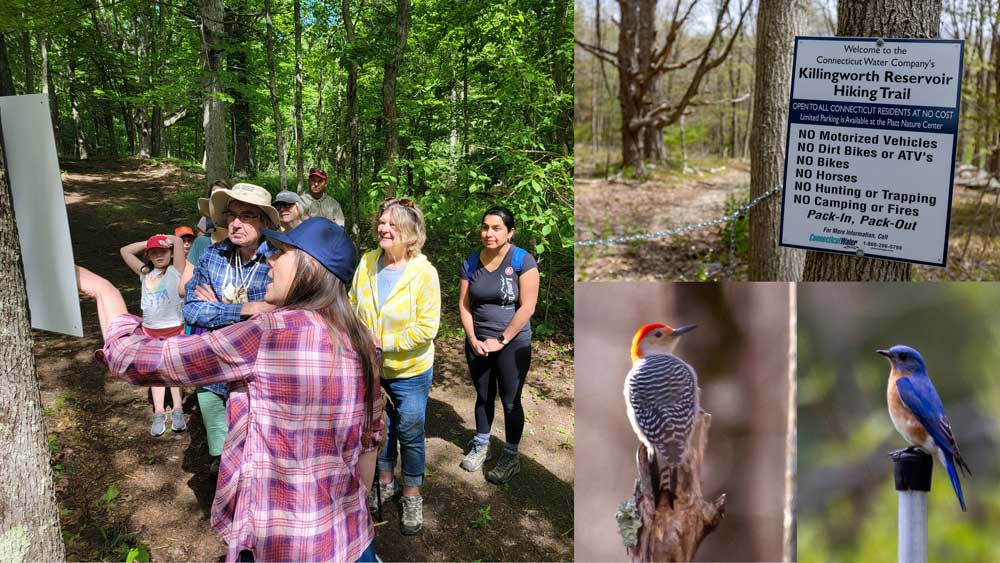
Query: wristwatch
[502, 339]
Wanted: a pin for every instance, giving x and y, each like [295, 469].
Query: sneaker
[505, 470]
[159, 425]
[177, 423]
[478, 454]
[388, 491]
[413, 515]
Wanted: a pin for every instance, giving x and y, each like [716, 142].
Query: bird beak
[884, 353]
[681, 330]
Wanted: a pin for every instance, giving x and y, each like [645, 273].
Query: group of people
[297, 348]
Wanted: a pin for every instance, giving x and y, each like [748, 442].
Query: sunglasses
[403, 201]
[282, 205]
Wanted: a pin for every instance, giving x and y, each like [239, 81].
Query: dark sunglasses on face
[281, 205]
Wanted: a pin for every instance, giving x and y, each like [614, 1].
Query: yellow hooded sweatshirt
[408, 320]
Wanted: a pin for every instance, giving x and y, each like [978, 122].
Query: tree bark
[273, 89]
[29, 64]
[214, 117]
[297, 103]
[673, 533]
[874, 18]
[392, 63]
[29, 517]
[81, 142]
[236, 65]
[6, 81]
[777, 26]
[352, 119]
[48, 88]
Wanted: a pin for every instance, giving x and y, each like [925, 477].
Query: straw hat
[247, 193]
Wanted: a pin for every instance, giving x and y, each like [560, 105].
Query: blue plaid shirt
[212, 268]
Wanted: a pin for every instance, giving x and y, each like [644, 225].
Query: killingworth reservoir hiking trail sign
[870, 153]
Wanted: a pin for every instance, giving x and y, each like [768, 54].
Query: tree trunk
[29, 64]
[145, 132]
[81, 142]
[156, 132]
[48, 88]
[777, 25]
[6, 81]
[875, 18]
[628, 67]
[352, 119]
[297, 103]
[130, 126]
[392, 63]
[29, 517]
[214, 117]
[273, 89]
[236, 65]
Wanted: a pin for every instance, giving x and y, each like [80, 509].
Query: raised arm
[129, 255]
[109, 300]
[186, 274]
[178, 245]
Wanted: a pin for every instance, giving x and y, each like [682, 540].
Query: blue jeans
[406, 413]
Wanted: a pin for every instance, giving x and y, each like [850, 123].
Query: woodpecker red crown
[641, 333]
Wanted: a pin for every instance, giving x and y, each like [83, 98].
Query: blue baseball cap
[325, 241]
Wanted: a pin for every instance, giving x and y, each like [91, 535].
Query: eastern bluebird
[917, 412]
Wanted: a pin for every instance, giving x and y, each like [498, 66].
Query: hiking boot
[388, 491]
[177, 423]
[478, 454]
[505, 470]
[413, 515]
[159, 425]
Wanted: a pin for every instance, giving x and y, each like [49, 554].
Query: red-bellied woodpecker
[661, 395]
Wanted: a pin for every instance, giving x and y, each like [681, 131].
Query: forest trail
[607, 208]
[119, 488]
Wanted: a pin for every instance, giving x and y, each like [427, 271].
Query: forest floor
[608, 207]
[614, 207]
[120, 489]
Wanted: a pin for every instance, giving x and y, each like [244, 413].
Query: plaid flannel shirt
[289, 485]
[212, 269]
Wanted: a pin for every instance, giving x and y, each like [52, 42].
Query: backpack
[516, 261]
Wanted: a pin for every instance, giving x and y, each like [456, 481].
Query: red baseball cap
[183, 231]
[158, 241]
[318, 172]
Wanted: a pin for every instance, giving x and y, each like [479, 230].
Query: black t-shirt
[495, 296]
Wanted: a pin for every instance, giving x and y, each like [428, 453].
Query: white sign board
[40, 212]
[870, 154]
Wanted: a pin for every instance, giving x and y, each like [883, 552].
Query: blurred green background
[847, 501]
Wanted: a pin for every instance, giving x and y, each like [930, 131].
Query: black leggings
[504, 370]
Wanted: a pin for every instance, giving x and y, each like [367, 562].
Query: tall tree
[214, 116]
[242, 113]
[299, 167]
[640, 63]
[352, 114]
[29, 518]
[392, 63]
[874, 18]
[48, 87]
[6, 82]
[273, 88]
[777, 26]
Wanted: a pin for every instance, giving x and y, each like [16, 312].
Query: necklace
[238, 293]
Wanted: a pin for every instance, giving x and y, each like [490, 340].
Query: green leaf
[109, 495]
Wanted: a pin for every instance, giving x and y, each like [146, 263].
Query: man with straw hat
[229, 283]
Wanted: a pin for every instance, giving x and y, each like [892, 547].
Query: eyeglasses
[403, 201]
[244, 217]
[280, 205]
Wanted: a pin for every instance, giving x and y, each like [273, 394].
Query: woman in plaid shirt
[304, 401]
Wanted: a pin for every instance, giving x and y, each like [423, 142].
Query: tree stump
[656, 531]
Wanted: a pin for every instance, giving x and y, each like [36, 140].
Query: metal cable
[738, 214]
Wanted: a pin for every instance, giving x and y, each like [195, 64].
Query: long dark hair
[314, 288]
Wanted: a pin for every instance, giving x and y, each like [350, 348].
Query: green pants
[213, 415]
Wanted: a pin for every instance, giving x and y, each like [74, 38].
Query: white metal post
[912, 471]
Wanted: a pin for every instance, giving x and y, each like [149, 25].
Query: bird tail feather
[953, 475]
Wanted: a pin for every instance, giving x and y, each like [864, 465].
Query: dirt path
[608, 208]
[119, 488]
